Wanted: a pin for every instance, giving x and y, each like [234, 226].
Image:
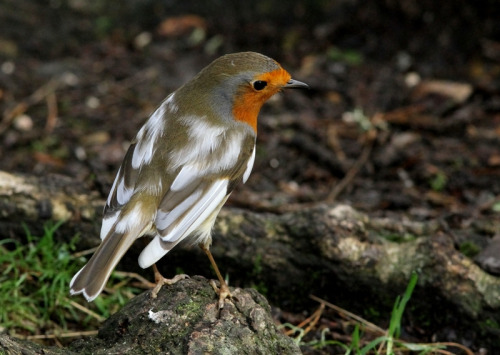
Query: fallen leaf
[458, 92]
[494, 160]
[47, 159]
[180, 25]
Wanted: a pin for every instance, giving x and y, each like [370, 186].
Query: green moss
[398, 237]
[469, 249]
[189, 308]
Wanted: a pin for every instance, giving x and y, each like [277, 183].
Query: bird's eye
[259, 85]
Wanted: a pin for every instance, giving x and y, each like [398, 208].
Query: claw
[160, 281]
[164, 281]
[223, 292]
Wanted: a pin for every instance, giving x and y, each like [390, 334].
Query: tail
[127, 227]
[92, 278]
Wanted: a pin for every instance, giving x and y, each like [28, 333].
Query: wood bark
[332, 251]
[183, 319]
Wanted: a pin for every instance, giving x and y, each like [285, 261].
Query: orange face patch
[249, 101]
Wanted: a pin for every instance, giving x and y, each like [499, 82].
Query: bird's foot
[223, 292]
[160, 281]
[164, 281]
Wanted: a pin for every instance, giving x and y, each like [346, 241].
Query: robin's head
[237, 85]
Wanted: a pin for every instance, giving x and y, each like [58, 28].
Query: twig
[84, 252]
[323, 155]
[87, 311]
[376, 329]
[142, 280]
[348, 314]
[312, 320]
[23, 106]
[456, 345]
[316, 316]
[51, 112]
[353, 171]
[61, 335]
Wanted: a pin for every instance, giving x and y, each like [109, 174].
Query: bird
[183, 164]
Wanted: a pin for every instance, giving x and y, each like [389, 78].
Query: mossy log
[183, 319]
[331, 251]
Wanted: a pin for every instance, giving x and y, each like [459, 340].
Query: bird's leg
[160, 281]
[223, 290]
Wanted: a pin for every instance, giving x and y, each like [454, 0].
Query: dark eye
[259, 84]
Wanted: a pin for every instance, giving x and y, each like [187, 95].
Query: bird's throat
[246, 109]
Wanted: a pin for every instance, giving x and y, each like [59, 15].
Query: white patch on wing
[152, 253]
[204, 207]
[108, 202]
[147, 138]
[186, 176]
[164, 219]
[170, 103]
[249, 166]
[143, 153]
[206, 136]
[204, 231]
[232, 152]
[108, 222]
[132, 219]
[205, 139]
[123, 193]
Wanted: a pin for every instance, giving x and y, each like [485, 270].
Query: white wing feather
[201, 209]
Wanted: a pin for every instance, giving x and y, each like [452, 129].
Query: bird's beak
[296, 84]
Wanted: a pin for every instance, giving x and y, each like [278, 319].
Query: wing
[139, 155]
[196, 196]
[131, 206]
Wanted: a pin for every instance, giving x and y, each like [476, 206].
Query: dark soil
[406, 93]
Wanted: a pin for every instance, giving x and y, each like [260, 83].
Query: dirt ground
[402, 119]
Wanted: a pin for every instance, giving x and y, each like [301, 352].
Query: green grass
[387, 343]
[34, 288]
[35, 301]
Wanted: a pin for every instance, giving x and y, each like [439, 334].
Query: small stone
[142, 40]
[23, 123]
[8, 67]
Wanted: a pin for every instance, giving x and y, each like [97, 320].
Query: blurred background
[402, 119]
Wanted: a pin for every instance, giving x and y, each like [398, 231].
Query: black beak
[295, 84]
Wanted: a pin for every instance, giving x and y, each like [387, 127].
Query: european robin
[182, 166]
